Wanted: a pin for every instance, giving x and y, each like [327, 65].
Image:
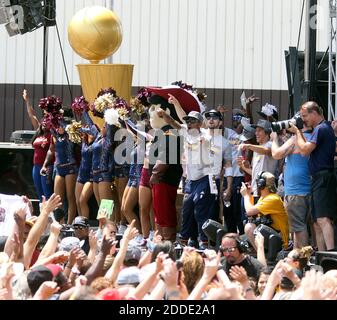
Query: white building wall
[209, 43]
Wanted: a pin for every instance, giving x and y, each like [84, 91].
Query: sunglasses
[230, 249]
[213, 117]
[192, 121]
[80, 227]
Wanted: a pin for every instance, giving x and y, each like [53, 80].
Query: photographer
[269, 204]
[296, 185]
[320, 148]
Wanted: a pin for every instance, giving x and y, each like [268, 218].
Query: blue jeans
[198, 206]
[43, 184]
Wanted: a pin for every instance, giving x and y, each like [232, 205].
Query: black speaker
[214, 231]
[327, 260]
[272, 241]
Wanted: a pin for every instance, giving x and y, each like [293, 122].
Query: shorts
[84, 176]
[105, 176]
[145, 178]
[164, 204]
[122, 171]
[83, 179]
[298, 209]
[324, 200]
[65, 170]
[134, 175]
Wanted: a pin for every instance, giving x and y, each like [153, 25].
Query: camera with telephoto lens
[278, 126]
[264, 219]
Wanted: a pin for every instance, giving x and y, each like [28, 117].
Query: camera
[278, 126]
[264, 219]
[67, 231]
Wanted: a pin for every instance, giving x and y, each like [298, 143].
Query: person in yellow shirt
[269, 204]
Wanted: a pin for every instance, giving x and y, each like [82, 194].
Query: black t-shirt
[166, 147]
[86, 246]
[252, 266]
[322, 157]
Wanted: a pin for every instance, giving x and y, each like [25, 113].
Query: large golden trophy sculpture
[95, 33]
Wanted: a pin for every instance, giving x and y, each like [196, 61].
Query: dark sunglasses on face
[212, 117]
[191, 121]
[80, 227]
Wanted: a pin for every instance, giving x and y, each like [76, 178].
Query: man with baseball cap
[221, 158]
[81, 231]
[262, 158]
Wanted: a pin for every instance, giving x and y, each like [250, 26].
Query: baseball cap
[133, 252]
[128, 275]
[69, 243]
[264, 124]
[113, 293]
[81, 221]
[194, 115]
[213, 112]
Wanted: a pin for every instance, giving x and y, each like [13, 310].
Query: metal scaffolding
[332, 105]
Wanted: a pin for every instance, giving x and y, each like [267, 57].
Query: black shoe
[193, 243]
[203, 245]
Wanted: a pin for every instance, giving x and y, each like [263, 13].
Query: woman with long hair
[41, 142]
[64, 152]
[89, 132]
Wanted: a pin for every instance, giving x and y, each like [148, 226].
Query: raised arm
[305, 146]
[129, 234]
[97, 267]
[39, 226]
[180, 111]
[51, 244]
[31, 113]
[256, 148]
[280, 152]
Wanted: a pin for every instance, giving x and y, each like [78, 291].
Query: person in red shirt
[41, 142]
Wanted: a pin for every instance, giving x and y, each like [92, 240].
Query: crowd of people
[268, 188]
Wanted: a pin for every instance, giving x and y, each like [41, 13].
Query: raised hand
[20, 217]
[25, 95]
[107, 244]
[252, 99]
[212, 261]
[239, 274]
[259, 240]
[157, 238]
[92, 240]
[53, 202]
[130, 231]
[47, 289]
[29, 203]
[55, 228]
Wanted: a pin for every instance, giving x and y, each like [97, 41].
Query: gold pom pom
[73, 131]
